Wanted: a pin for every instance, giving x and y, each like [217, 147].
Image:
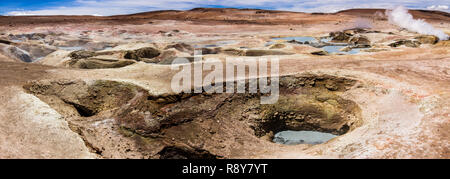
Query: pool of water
[71, 48]
[17, 41]
[208, 46]
[107, 48]
[336, 49]
[302, 137]
[327, 45]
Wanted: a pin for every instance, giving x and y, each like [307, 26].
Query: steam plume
[400, 16]
[362, 23]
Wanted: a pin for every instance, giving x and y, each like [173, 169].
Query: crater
[309, 106]
[88, 99]
[216, 124]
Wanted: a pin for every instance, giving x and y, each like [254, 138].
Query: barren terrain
[100, 87]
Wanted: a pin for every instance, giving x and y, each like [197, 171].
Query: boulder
[80, 54]
[408, 43]
[147, 52]
[359, 40]
[427, 39]
[339, 37]
[413, 44]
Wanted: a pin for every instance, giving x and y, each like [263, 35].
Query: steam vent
[226, 83]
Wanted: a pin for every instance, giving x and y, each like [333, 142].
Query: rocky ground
[99, 87]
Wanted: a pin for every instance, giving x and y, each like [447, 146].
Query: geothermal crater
[171, 122]
[353, 84]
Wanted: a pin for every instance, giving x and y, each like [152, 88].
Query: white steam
[400, 16]
[362, 23]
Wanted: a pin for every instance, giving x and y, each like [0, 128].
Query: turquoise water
[302, 137]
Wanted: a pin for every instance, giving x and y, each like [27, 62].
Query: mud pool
[302, 137]
[336, 49]
[323, 43]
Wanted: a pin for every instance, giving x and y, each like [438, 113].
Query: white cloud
[438, 7]
[72, 11]
[115, 7]
[20, 13]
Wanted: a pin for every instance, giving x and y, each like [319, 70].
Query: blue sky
[114, 7]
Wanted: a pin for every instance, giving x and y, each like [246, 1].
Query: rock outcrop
[80, 54]
[427, 39]
[407, 43]
[182, 47]
[142, 53]
[96, 63]
[15, 53]
[359, 40]
[339, 37]
[37, 50]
